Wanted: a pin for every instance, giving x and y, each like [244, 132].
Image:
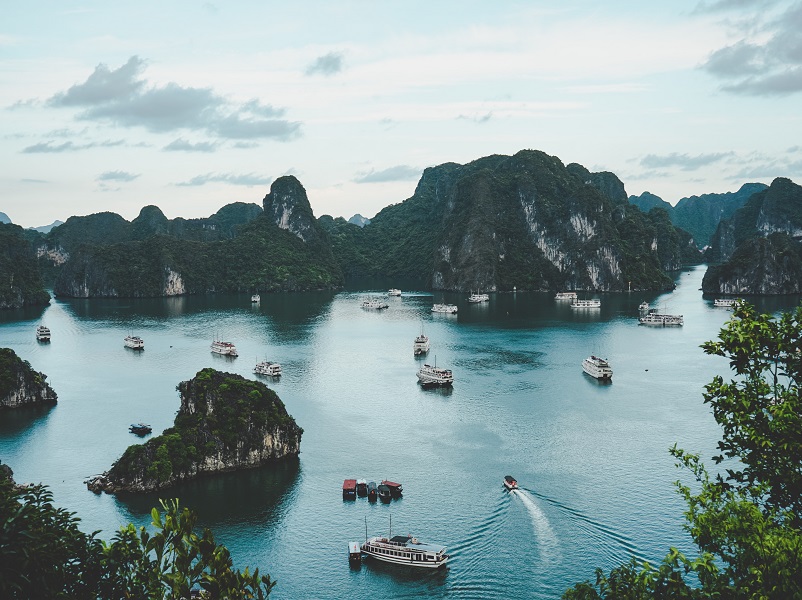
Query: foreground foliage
[43, 554]
[746, 521]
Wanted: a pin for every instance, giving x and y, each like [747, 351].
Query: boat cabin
[354, 553]
[395, 488]
[349, 489]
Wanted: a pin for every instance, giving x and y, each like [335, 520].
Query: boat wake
[549, 546]
[614, 546]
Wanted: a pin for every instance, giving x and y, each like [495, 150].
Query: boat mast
[366, 529]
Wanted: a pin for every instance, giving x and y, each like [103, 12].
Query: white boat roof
[413, 543]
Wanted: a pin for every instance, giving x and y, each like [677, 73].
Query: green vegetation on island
[20, 278]
[746, 519]
[20, 384]
[225, 422]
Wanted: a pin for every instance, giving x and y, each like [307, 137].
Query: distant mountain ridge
[700, 215]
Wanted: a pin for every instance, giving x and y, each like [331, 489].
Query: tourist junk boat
[725, 302]
[594, 303]
[431, 376]
[597, 367]
[267, 368]
[140, 428]
[256, 298]
[374, 303]
[43, 333]
[405, 550]
[421, 344]
[349, 489]
[565, 296]
[475, 298]
[510, 483]
[393, 292]
[655, 319]
[224, 348]
[134, 342]
[449, 309]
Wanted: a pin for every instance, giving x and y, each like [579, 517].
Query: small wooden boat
[349, 489]
[372, 493]
[395, 488]
[384, 493]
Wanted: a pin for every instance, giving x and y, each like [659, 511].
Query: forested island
[21, 385]
[225, 423]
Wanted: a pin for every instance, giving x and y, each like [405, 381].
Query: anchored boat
[43, 333]
[224, 348]
[406, 550]
[597, 367]
[134, 342]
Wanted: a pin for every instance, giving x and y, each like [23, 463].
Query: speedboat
[597, 367]
[510, 483]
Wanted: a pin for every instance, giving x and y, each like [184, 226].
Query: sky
[112, 106]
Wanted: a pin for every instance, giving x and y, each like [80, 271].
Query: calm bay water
[592, 460]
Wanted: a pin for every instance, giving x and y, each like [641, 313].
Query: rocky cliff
[225, 423]
[20, 385]
[20, 279]
[525, 221]
[759, 248]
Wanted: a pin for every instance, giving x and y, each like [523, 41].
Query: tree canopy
[746, 519]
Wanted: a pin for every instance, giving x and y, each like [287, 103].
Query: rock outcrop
[288, 207]
[225, 423]
[759, 250]
[21, 385]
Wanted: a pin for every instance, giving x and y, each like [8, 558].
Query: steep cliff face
[758, 248]
[225, 423]
[288, 207]
[20, 385]
[20, 279]
[770, 265]
[529, 222]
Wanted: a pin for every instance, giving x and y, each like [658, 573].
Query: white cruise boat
[374, 304]
[656, 319]
[565, 296]
[224, 348]
[430, 376]
[256, 298]
[421, 344]
[597, 367]
[479, 298]
[406, 550]
[445, 308]
[43, 333]
[725, 302]
[270, 369]
[393, 292]
[643, 306]
[134, 342]
[594, 303]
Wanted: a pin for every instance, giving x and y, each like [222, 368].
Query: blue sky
[192, 105]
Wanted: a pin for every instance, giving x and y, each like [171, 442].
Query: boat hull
[405, 561]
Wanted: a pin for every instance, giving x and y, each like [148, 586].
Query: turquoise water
[592, 460]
